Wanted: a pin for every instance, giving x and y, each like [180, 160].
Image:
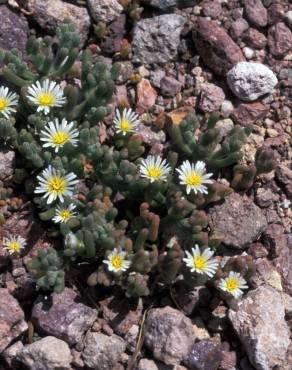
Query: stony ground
[178, 55]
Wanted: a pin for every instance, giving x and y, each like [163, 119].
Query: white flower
[54, 185]
[46, 95]
[57, 134]
[194, 177]
[127, 122]
[233, 284]
[202, 263]
[8, 100]
[64, 214]
[116, 261]
[14, 244]
[154, 168]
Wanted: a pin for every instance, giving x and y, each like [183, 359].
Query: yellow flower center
[60, 137]
[56, 185]
[193, 179]
[65, 214]
[154, 172]
[125, 125]
[3, 104]
[14, 246]
[199, 263]
[231, 284]
[117, 261]
[46, 99]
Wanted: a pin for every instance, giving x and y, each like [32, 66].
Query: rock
[284, 175]
[274, 239]
[121, 314]
[167, 4]
[249, 81]
[212, 8]
[217, 49]
[256, 13]
[204, 355]
[156, 40]
[255, 39]
[168, 334]
[149, 136]
[50, 14]
[10, 355]
[275, 13]
[156, 76]
[146, 95]
[145, 364]
[12, 323]
[266, 273]
[7, 159]
[224, 126]
[169, 86]
[248, 52]
[288, 19]
[104, 11]
[227, 108]
[190, 299]
[63, 316]
[279, 39]
[102, 352]
[48, 353]
[212, 97]
[261, 327]
[265, 197]
[237, 28]
[284, 265]
[228, 360]
[13, 30]
[239, 220]
[115, 40]
[246, 114]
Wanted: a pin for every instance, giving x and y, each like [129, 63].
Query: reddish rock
[279, 39]
[246, 114]
[274, 239]
[204, 355]
[255, 39]
[121, 96]
[238, 27]
[217, 49]
[212, 97]
[276, 13]
[284, 265]
[12, 323]
[257, 250]
[63, 316]
[228, 360]
[146, 95]
[256, 13]
[169, 86]
[121, 314]
[284, 175]
[212, 8]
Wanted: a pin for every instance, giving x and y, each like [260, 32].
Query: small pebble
[248, 52]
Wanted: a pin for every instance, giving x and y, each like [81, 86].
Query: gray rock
[204, 355]
[239, 220]
[288, 19]
[249, 80]
[50, 14]
[7, 159]
[146, 364]
[49, 353]
[63, 316]
[10, 354]
[155, 40]
[102, 352]
[13, 30]
[166, 4]
[104, 10]
[261, 327]
[168, 334]
[12, 323]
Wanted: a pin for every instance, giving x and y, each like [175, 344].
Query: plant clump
[135, 218]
